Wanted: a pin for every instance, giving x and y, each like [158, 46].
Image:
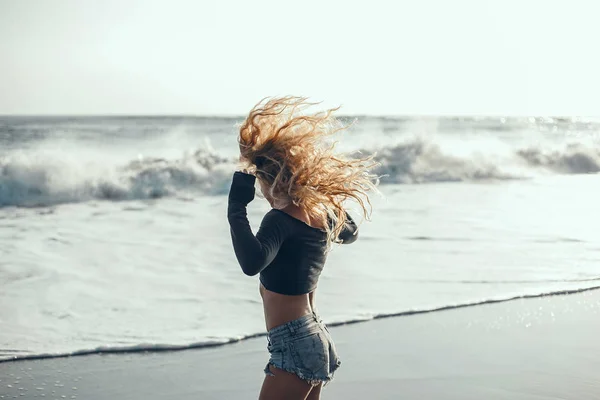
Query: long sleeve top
[288, 253]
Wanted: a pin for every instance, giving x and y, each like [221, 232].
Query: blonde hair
[284, 148]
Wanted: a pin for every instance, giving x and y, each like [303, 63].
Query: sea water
[113, 230]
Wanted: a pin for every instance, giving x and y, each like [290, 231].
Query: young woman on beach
[306, 184]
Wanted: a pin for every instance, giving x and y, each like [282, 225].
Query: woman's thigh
[284, 385]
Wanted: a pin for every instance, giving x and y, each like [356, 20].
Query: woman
[306, 185]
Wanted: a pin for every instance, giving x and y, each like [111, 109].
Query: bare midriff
[281, 308]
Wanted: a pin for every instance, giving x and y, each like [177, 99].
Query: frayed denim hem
[311, 380]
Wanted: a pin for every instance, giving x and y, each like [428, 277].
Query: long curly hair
[285, 148]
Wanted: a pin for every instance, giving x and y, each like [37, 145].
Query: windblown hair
[286, 149]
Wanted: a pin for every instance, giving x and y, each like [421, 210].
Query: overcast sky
[372, 57]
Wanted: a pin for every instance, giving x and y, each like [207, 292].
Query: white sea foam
[38, 178]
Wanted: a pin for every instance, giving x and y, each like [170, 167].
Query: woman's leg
[284, 385]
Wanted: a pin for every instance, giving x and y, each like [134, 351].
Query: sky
[425, 57]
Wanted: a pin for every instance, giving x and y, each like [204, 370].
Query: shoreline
[528, 349]
[206, 345]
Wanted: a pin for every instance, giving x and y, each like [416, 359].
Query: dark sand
[545, 348]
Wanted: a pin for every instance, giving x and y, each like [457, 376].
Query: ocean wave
[141, 348]
[422, 161]
[575, 158]
[32, 179]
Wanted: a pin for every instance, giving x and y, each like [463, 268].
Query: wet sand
[542, 348]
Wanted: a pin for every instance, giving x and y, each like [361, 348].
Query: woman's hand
[242, 188]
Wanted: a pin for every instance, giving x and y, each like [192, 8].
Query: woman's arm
[254, 253]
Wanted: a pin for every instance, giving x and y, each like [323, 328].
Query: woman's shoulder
[291, 220]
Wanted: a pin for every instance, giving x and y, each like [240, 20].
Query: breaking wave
[30, 179]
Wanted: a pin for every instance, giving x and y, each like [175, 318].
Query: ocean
[114, 237]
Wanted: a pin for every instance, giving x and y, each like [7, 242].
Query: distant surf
[30, 179]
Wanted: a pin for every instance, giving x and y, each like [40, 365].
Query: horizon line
[240, 116]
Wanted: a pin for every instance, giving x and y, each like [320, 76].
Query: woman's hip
[304, 346]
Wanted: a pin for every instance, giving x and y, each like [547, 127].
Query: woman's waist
[280, 309]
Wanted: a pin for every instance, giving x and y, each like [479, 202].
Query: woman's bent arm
[254, 253]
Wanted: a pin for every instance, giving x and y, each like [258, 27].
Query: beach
[469, 127]
[113, 230]
[524, 349]
[115, 244]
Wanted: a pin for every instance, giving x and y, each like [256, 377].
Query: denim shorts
[303, 347]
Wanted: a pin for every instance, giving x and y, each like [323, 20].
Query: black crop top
[288, 253]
